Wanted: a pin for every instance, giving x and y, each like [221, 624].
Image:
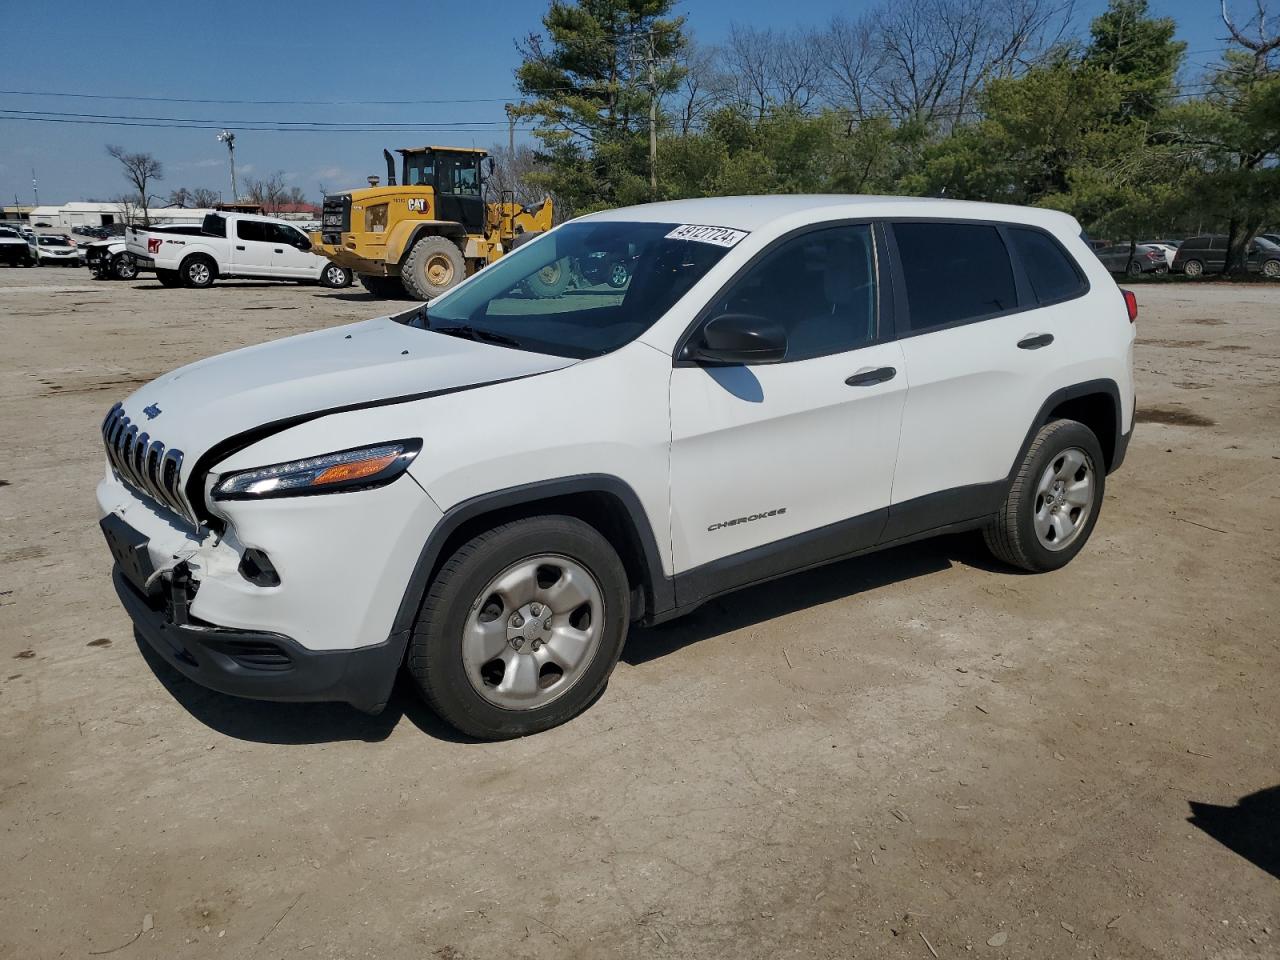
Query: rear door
[983, 341]
[252, 246]
[775, 465]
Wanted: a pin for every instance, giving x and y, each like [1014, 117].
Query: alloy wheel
[1064, 499]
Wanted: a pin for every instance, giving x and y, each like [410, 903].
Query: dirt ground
[911, 755]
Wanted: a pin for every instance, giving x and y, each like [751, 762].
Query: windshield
[52, 242]
[582, 291]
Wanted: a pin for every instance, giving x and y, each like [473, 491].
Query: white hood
[197, 406]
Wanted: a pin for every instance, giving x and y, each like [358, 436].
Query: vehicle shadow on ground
[788, 594]
[1251, 828]
[261, 721]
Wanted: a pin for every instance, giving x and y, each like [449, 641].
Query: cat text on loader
[427, 234]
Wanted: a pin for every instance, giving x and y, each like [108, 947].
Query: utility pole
[229, 138]
[35, 186]
[511, 132]
[653, 120]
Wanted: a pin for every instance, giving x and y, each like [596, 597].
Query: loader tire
[433, 267]
[382, 288]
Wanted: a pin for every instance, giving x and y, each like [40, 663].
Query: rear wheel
[1053, 503]
[433, 266]
[169, 278]
[1135, 268]
[1193, 268]
[335, 277]
[384, 288]
[1271, 269]
[521, 627]
[123, 267]
[198, 272]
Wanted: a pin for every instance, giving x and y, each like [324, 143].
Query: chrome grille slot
[142, 463]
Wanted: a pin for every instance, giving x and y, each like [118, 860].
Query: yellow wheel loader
[426, 234]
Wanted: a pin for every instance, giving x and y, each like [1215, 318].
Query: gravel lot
[913, 754]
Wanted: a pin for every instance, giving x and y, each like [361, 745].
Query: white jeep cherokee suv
[493, 488]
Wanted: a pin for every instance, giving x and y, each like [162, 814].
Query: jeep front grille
[143, 463]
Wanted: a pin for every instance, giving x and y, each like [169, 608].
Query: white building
[81, 213]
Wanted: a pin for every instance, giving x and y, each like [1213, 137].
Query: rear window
[1050, 269]
[954, 272]
[214, 225]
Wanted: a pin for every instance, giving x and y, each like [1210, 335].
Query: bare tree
[1254, 36]
[514, 175]
[127, 205]
[140, 169]
[268, 193]
[204, 197]
[181, 197]
[854, 60]
[697, 93]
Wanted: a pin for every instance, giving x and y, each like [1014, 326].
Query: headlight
[356, 469]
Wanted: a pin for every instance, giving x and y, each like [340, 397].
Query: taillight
[1131, 304]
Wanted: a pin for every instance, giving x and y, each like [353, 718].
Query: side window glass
[254, 230]
[953, 272]
[1050, 269]
[820, 286]
[214, 225]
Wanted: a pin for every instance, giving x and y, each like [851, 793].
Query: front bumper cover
[260, 665]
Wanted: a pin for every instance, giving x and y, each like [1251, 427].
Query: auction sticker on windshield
[720, 236]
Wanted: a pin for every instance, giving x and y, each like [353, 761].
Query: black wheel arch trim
[659, 589]
[1075, 391]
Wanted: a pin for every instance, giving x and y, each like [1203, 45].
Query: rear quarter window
[1052, 273]
[953, 272]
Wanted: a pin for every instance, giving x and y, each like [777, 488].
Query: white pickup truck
[233, 245]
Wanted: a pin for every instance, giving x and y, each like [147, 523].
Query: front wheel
[434, 266]
[1053, 503]
[521, 628]
[383, 288]
[335, 277]
[123, 267]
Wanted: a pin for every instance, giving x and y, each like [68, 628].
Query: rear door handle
[239, 247]
[278, 250]
[866, 378]
[1035, 341]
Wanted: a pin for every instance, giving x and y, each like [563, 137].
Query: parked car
[1208, 254]
[1146, 258]
[15, 250]
[108, 259]
[1169, 250]
[740, 410]
[233, 245]
[41, 224]
[55, 250]
[1271, 238]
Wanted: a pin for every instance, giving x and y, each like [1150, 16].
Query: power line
[250, 124]
[215, 126]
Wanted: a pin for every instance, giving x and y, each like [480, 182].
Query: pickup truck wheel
[123, 267]
[335, 277]
[198, 271]
[433, 266]
[384, 288]
[169, 278]
[1053, 503]
[521, 627]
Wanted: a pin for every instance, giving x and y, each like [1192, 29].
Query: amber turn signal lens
[354, 471]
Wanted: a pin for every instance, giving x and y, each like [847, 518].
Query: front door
[800, 451]
[458, 190]
[291, 254]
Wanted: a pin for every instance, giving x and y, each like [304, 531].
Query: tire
[1017, 535]
[198, 272]
[383, 288]
[169, 278]
[335, 277]
[551, 281]
[1135, 269]
[123, 267]
[433, 266]
[1193, 268]
[463, 682]
[619, 274]
[1271, 269]
[522, 238]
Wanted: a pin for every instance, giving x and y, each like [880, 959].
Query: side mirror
[741, 338]
[304, 244]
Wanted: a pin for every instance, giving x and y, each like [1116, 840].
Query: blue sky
[232, 50]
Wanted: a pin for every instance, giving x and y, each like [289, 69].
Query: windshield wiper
[468, 332]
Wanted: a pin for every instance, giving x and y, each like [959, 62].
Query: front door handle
[1035, 341]
[239, 247]
[278, 250]
[866, 378]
